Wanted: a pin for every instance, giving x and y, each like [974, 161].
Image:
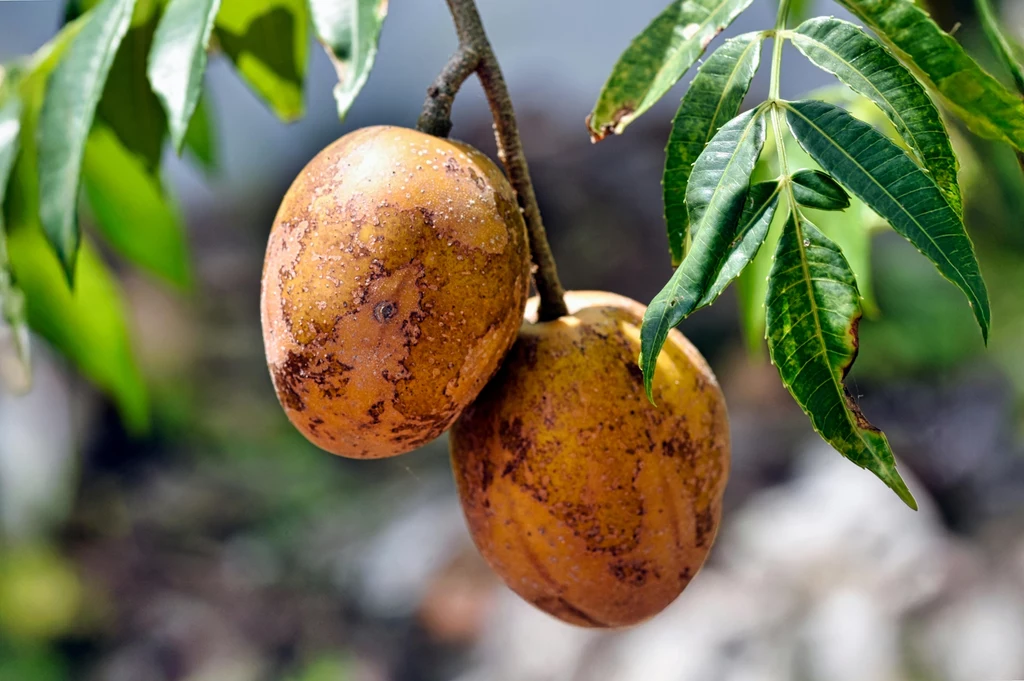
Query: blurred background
[220, 546]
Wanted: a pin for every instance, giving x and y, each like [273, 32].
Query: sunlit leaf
[132, 211]
[15, 368]
[72, 95]
[268, 42]
[657, 59]
[815, 189]
[886, 179]
[861, 62]
[177, 60]
[813, 309]
[988, 108]
[713, 99]
[716, 197]
[349, 31]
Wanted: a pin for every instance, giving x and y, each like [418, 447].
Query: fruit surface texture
[394, 283]
[591, 503]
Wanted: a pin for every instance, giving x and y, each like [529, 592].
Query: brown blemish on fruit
[402, 285]
[385, 311]
[632, 572]
[563, 438]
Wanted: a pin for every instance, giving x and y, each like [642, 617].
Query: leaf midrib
[820, 335]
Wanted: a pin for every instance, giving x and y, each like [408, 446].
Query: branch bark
[475, 55]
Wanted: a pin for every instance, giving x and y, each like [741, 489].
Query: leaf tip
[614, 126]
[900, 488]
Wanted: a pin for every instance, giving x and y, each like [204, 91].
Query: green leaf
[713, 98]
[813, 309]
[15, 368]
[869, 69]
[657, 59]
[800, 9]
[758, 213]
[1004, 47]
[129, 106]
[752, 285]
[199, 139]
[132, 211]
[268, 42]
[815, 189]
[88, 324]
[349, 31]
[716, 197]
[896, 188]
[853, 230]
[981, 101]
[177, 61]
[72, 95]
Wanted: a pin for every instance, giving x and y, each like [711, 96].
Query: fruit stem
[475, 55]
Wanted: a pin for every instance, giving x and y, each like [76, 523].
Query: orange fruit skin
[589, 502]
[394, 283]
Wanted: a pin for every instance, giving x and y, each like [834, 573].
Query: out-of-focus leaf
[1006, 50]
[22, 204]
[887, 180]
[268, 42]
[800, 9]
[813, 309]
[177, 60]
[713, 99]
[73, 9]
[72, 94]
[132, 211]
[657, 59]
[815, 189]
[981, 101]
[129, 106]
[200, 139]
[15, 367]
[861, 62]
[716, 198]
[88, 324]
[349, 31]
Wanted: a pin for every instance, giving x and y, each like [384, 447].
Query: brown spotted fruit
[591, 503]
[394, 283]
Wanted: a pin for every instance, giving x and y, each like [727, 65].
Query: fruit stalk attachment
[476, 56]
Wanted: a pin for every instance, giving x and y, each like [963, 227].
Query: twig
[475, 54]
